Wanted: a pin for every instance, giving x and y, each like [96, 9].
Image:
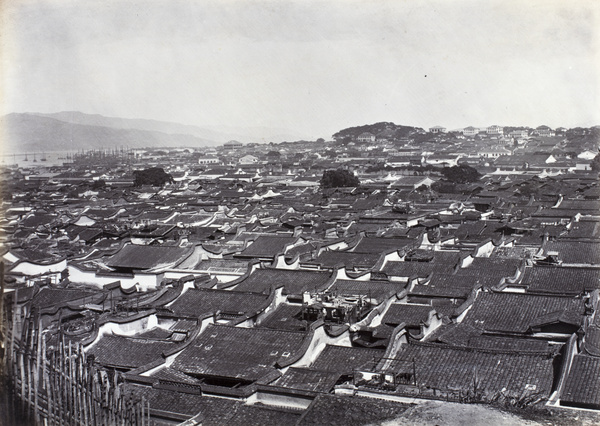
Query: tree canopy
[338, 179]
[461, 174]
[155, 176]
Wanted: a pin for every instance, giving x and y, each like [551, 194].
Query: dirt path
[452, 414]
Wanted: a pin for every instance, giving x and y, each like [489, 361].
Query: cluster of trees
[461, 174]
[338, 179]
[154, 176]
[353, 132]
[596, 163]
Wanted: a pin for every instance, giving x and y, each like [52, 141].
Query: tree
[461, 174]
[98, 184]
[155, 176]
[338, 179]
[596, 163]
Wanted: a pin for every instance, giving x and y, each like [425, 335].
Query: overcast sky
[310, 66]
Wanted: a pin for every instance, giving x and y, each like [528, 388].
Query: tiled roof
[128, 352]
[584, 229]
[445, 367]
[308, 379]
[449, 285]
[37, 220]
[375, 245]
[561, 280]
[215, 411]
[260, 415]
[514, 313]
[591, 343]
[411, 314]
[286, 317]
[267, 246]
[372, 289]
[582, 387]
[330, 259]
[147, 257]
[196, 303]
[343, 359]
[222, 265]
[468, 336]
[409, 269]
[294, 282]
[575, 252]
[219, 351]
[350, 410]
[48, 297]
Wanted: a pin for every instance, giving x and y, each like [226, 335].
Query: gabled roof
[351, 410]
[238, 353]
[198, 303]
[560, 280]
[286, 317]
[293, 281]
[214, 410]
[582, 387]
[515, 313]
[575, 252]
[444, 367]
[351, 260]
[376, 245]
[371, 288]
[133, 256]
[452, 286]
[266, 246]
[411, 314]
[308, 379]
[128, 352]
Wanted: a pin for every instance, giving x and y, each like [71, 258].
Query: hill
[34, 133]
[392, 130]
[62, 131]
[215, 134]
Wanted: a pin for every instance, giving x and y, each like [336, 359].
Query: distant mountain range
[64, 131]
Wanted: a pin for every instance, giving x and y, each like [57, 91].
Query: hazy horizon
[313, 67]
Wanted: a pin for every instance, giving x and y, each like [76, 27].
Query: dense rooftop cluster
[244, 278]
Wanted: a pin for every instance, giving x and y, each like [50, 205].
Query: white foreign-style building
[494, 130]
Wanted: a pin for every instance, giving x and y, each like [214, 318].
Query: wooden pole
[38, 368]
[3, 322]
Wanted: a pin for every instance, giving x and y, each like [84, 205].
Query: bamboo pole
[3, 322]
[38, 368]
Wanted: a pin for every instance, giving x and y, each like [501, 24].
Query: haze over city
[312, 67]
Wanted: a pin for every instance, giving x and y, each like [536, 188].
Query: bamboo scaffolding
[64, 386]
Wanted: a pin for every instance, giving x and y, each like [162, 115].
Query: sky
[313, 67]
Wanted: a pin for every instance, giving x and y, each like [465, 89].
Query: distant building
[208, 159]
[232, 145]
[470, 131]
[411, 182]
[437, 129]
[366, 137]
[441, 159]
[494, 152]
[545, 131]
[248, 159]
[494, 130]
[587, 155]
[518, 133]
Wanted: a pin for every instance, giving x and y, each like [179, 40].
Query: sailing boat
[34, 160]
[43, 157]
[26, 159]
